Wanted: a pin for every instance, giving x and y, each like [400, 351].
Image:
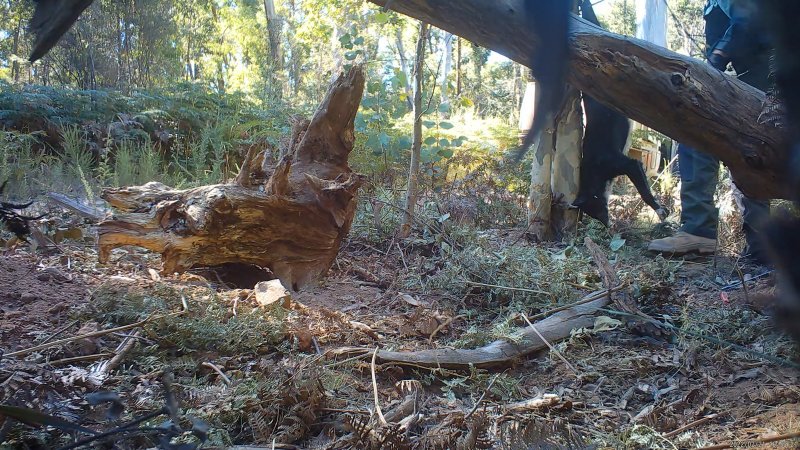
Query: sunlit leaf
[404, 142]
[616, 243]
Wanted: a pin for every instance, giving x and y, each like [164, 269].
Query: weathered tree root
[500, 353]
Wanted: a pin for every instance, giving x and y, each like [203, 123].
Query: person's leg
[699, 175]
[755, 215]
[754, 72]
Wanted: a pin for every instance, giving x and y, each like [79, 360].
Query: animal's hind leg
[635, 172]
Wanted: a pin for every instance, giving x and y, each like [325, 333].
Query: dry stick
[218, 371]
[753, 442]
[119, 354]
[442, 325]
[579, 286]
[402, 257]
[346, 360]
[485, 391]
[610, 279]
[80, 358]
[375, 388]
[59, 331]
[550, 346]
[508, 288]
[90, 335]
[689, 425]
[587, 299]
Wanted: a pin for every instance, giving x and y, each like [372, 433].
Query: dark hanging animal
[550, 19]
[603, 159]
[14, 221]
[51, 19]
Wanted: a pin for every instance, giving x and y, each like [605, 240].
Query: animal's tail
[549, 19]
[587, 12]
[51, 19]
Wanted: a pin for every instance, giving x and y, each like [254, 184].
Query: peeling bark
[567, 164]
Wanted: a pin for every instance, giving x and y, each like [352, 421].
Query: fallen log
[289, 216]
[499, 353]
[679, 96]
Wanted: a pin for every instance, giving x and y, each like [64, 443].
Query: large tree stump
[289, 217]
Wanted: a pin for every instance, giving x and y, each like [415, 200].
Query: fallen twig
[375, 389]
[89, 335]
[59, 331]
[754, 442]
[690, 425]
[75, 359]
[441, 327]
[525, 406]
[508, 288]
[219, 372]
[478, 403]
[550, 346]
[589, 298]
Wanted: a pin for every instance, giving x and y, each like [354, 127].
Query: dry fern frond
[538, 433]
[477, 435]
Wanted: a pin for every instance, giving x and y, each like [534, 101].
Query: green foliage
[207, 326]
[685, 32]
[622, 19]
[79, 159]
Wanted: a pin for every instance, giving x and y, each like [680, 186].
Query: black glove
[718, 61]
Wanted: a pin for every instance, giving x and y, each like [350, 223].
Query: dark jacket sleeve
[739, 34]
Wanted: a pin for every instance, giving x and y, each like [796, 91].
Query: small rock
[28, 297]
[87, 346]
[51, 274]
[270, 292]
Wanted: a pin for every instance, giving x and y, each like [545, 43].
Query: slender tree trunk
[401, 53]
[15, 70]
[274, 30]
[478, 61]
[567, 165]
[458, 67]
[540, 197]
[651, 21]
[413, 173]
[448, 67]
[276, 58]
[120, 68]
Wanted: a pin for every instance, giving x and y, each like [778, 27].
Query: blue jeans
[699, 215]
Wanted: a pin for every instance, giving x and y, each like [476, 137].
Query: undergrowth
[208, 324]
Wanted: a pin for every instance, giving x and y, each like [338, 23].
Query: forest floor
[265, 375]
